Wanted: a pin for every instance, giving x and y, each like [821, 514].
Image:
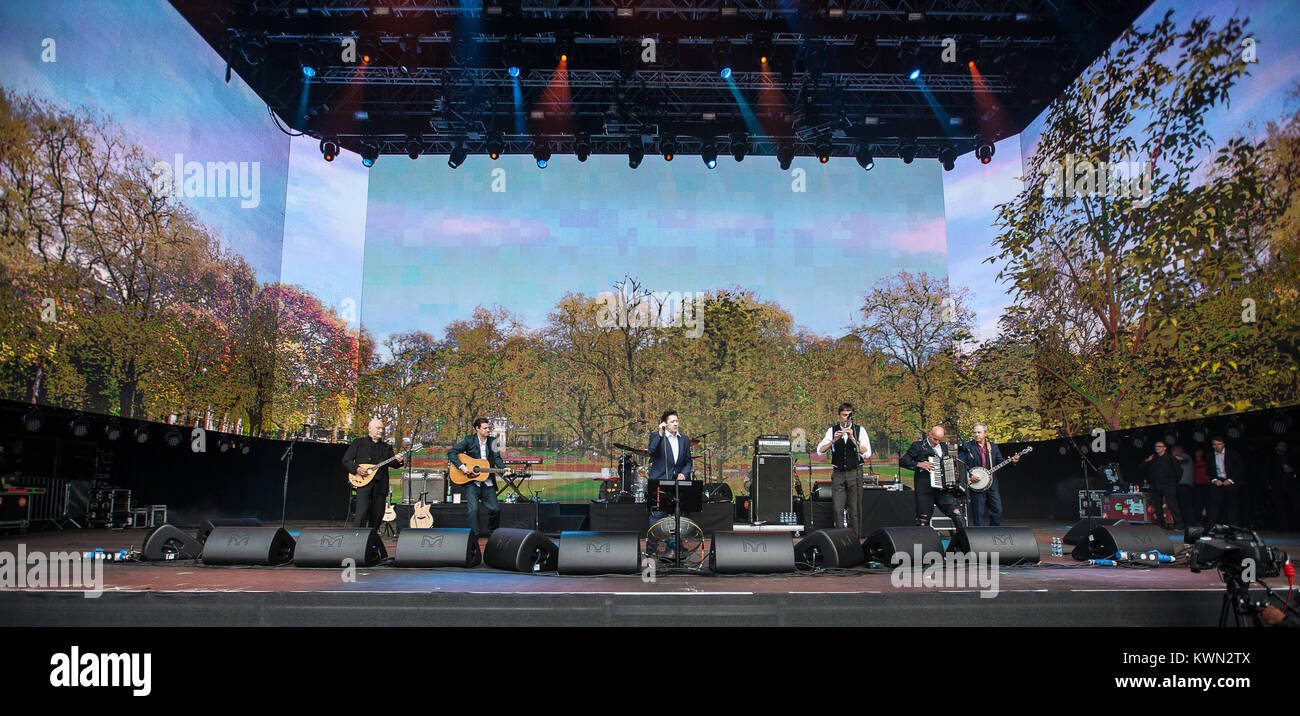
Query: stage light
[726, 73]
[763, 59]
[113, 430]
[458, 154]
[739, 145]
[907, 150]
[582, 146]
[308, 71]
[368, 155]
[1235, 429]
[494, 146]
[709, 155]
[914, 74]
[984, 151]
[413, 148]
[823, 151]
[243, 449]
[1281, 423]
[635, 152]
[513, 71]
[173, 438]
[79, 427]
[329, 149]
[223, 445]
[948, 158]
[785, 156]
[864, 157]
[1139, 440]
[543, 155]
[32, 421]
[141, 434]
[668, 148]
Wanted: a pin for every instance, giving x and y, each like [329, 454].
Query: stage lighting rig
[739, 145]
[582, 146]
[948, 158]
[369, 154]
[494, 146]
[668, 148]
[458, 154]
[863, 155]
[329, 149]
[413, 147]
[173, 438]
[709, 154]
[824, 150]
[113, 431]
[635, 152]
[785, 156]
[542, 153]
[142, 435]
[907, 150]
[984, 150]
[79, 427]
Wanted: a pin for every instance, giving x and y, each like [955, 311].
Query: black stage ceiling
[835, 81]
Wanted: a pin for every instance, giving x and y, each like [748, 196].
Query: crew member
[850, 447]
[986, 506]
[923, 458]
[370, 450]
[480, 445]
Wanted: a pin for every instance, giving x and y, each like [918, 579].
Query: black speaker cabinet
[248, 545]
[328, 547]
[752, 552]
[830, 549]
[169, 542]
[436, 548]
[771, 491]
[1106, 540]
[883, 544]
[1084, 527]
[208, 525]
[520, 551]
[1014, 545]
[600, 553]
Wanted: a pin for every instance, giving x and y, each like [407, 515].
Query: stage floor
[1057, 592]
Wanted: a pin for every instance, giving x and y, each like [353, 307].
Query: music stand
[688, 494]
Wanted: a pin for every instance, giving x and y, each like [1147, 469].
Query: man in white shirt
[850, 447]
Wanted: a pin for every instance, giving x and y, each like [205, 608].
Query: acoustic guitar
[421, 518]
[480, 469]
[366, 471]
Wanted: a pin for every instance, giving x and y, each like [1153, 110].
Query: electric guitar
[981, 479]
[480, 469]
[366, 471]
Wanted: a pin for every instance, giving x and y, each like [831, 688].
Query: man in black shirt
[924, 457]
[370, 450]
[1163, 473]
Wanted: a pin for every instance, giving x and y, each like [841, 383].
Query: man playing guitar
[370, 450]
[480, 445]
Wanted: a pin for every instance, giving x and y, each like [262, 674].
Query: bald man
[371, 450]
[923, 458]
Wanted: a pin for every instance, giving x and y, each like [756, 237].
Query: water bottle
[1057, 549]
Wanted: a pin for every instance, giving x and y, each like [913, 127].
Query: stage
[1058, 592]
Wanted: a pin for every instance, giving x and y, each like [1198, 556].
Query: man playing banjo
[986, 505]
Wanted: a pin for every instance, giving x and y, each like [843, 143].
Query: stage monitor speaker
[883, 544]
[169, 542]
[600, 553]
[1106, 540]
[771, 488]
[752, 552]
[1084, 527]
[520, 551]
[328, 547]
[1013, 545]
[208, 525]
[436, 548]
[830, 549]
[248, 546]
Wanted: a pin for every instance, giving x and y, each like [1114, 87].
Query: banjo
[982, 478]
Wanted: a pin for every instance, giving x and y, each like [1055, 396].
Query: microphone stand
[287, 459]
[1084, 464]
[965, 489]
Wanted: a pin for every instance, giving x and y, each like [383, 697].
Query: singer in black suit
[370, 450]
[922, 458]
[1226, 470]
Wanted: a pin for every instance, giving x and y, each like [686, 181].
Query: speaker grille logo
[599, 547]
[1005, 539]
[753, 546]
[237, 540]
[331, 541]
[434, 541]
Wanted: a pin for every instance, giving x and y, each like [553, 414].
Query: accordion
[951, 474]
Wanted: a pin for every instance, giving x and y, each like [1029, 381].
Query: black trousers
[1224, 503]
[1187, 504]
[928, 498]
[370, 504]
[1166, 494]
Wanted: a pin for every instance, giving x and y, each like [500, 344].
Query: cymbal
[629, 448]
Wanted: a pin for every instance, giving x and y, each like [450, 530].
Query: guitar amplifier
[772, 445]
[431, 484]
[771, 490]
